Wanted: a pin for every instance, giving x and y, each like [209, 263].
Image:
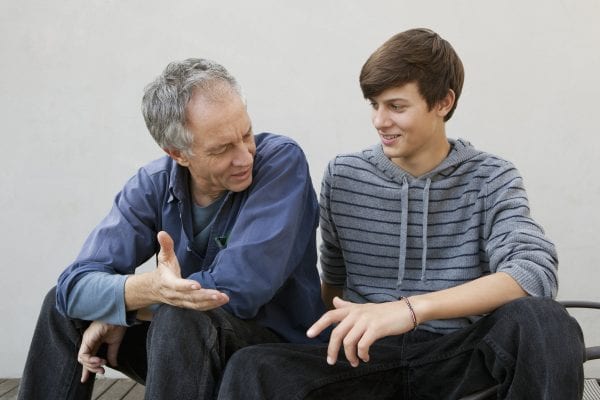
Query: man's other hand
[93, 337]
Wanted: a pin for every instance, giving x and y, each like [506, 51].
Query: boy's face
[410, 133]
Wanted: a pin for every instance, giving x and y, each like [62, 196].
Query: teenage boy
[439, 281]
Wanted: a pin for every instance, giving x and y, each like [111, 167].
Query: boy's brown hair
[417, 55]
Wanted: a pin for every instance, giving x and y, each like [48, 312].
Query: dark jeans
[531, 348]
[180, 355]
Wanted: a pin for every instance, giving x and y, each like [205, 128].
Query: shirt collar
[178, 182]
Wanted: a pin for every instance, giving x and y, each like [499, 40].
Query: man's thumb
[166, 244]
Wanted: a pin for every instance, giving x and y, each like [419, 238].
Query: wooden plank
[117, 391]
[136, 393]
[591, 390]
[8, 385]
[101, 385]
[104, 389]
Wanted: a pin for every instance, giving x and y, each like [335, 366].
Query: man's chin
[240, 186]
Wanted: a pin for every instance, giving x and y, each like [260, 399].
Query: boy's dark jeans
[530, 347]
[180, 355]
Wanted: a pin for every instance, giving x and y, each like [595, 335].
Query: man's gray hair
[165, 100]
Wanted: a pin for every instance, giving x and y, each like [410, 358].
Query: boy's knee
[539, 311]
[542, 318]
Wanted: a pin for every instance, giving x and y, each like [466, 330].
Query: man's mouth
[242, 174]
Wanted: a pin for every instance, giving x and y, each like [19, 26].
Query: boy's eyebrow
[402, 99]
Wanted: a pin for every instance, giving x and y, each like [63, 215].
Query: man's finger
[166, 254]
[166, 243]
[111, 353]
[177, 284]
[204, 303]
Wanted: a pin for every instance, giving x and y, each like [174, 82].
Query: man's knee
[49, 302]
[171, 323]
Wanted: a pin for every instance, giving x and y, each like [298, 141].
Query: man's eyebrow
[216, 146]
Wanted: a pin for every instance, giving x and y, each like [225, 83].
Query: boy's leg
[531, 347]
[296, 371]
[538, 350]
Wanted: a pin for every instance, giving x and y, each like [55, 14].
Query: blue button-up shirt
[261, 250]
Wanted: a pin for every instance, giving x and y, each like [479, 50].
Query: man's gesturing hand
[169, 287]
[359, 326]
[93, 337]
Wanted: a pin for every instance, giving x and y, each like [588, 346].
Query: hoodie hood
[460, 151]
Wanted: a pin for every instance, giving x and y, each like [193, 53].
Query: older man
[231, 218]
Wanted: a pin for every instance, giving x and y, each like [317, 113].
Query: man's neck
[202, 197]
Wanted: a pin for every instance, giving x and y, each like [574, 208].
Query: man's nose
[243, 155]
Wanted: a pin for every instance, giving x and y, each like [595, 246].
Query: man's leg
[51, 370]
[188, 350]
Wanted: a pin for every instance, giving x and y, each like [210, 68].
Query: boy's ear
[446, 104]
[178, 156]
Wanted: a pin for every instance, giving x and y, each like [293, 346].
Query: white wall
[72, 74]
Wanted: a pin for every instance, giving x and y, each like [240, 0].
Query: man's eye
[220, 150]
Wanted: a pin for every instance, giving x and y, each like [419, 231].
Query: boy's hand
[359, 326]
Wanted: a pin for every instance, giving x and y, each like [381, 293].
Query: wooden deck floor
[125, 389]
[104, 389]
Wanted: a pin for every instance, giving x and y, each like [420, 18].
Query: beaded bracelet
[412, 312]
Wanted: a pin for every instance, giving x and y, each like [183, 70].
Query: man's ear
[178, 156]
[446, 104]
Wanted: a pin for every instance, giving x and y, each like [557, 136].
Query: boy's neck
[425, 160]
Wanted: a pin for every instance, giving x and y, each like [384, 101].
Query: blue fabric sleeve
[110, 289]
[271, 233]
[122, 241]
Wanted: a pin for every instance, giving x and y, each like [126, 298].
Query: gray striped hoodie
[388, 234]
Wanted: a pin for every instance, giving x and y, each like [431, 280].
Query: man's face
[408, 130]
[223, 148]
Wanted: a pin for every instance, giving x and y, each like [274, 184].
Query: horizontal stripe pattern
[478, 223]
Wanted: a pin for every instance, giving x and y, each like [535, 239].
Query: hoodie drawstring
[425, 216]
[404, 230]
